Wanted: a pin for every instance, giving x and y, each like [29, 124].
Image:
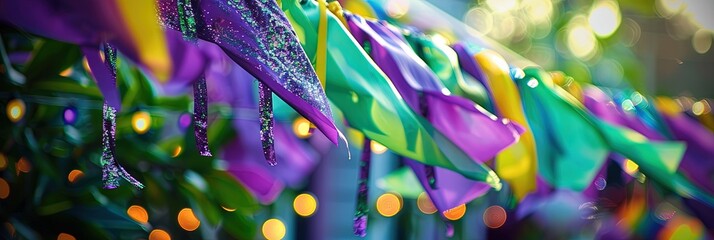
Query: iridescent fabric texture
[230, 84]
[476, 131]
[362, 206]
[371, 104]
[473, 129]
[200, 98]
[257, 36]
[111, 170]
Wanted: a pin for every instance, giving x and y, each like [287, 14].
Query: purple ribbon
[362, 207]
[106, 73]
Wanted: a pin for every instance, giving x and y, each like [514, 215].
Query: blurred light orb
[701, 107]
[494, 216]
[23, 165]
[588, 210]
[15, 110]
[158, 234]
[630, 167]
[389, 204]
[500, 6]
[505, 28]
[138, 213]
[273, 229]
[305, 204]
[301, 127]
[69, 115]
[539, 11]
[532, 83]
[3, 161]
[480, 19]
[227, 209]
[702, 41]
[177, 151]
[667, 8]
[581, 42]
[604, 18]
[600, 183]
[4, 189]
[67, 72]
[187, 220]
[628, 105]
[425, 205]
[184, 120]
[397, 8]
[377, 148]
[65, 236]
[455, 213]
[75, 175]
[665, 211]
[141, 122]
[631, 32]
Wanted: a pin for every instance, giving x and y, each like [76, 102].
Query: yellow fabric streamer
[568, 83]
[516, 164]
[139, 17]
[667, 106]
[336, 9]
[321, 61]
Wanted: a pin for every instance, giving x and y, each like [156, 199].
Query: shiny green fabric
[573, 144]
[371, 104]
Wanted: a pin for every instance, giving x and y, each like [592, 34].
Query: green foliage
[44, 202]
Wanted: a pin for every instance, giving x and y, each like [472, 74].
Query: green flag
[369, 101]
[573, 144]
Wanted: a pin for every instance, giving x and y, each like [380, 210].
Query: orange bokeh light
[75, 175]
[424, 204]
[187, 220]
[494, 216]
[158, 234]
[65, 236]
[138, 213]
[455, 213]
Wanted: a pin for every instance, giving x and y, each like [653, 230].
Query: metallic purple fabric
[265, 109]
[200, 93]
[200, 116]
[362, 206]
[473, 129]
[257, 36]
[90, 23]
[230, 84]
[111, 170]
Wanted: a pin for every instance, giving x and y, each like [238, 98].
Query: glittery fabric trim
[187, 21]
[111, 170]
[187, 24]
[257, 36]
[265, 106]
[362, 209]
[200, 116]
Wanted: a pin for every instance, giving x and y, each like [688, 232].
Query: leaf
[51, 58]
[66, 85]
[230, 193]
[208, 208]
[239, 226]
